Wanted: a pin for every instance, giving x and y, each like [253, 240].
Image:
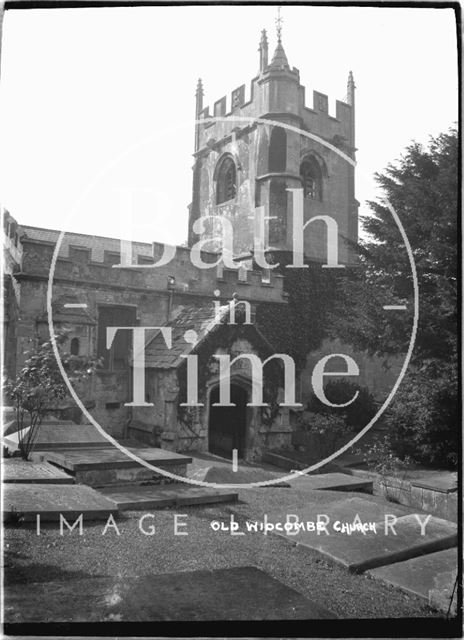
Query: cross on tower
[279, 21]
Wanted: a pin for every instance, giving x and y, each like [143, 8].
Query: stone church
[240, 163]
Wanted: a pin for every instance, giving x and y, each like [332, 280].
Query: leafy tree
[39, 386]
[422, 188]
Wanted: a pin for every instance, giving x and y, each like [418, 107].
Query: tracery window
[226, 184]
[311, 175]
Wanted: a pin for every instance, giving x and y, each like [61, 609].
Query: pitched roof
[279, 59]
[202, 320]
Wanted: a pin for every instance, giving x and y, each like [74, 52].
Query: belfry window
[311, 177]
[226, 184]
[278, 150]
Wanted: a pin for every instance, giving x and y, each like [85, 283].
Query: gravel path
[50, 556]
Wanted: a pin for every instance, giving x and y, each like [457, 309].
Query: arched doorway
[227, 425]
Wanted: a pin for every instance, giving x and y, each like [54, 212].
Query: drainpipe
[171, 287]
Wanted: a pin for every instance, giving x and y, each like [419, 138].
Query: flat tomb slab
[443, 482]
[360, 551]
[222, 474]
[344, 509]
[240, 593]
[431, 576]
[20, 471]
[331, 481]
[113, 458]
[64, 435]
[49, 500]
[152, 497]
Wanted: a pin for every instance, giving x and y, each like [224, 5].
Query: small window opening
[75, 347]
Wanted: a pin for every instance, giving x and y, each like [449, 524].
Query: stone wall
[87, 279]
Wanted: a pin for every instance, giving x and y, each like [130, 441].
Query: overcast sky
[97, 99]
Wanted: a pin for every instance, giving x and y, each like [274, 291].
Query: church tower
[241, 164]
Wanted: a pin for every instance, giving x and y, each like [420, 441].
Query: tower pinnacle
[350, 89]
[263, 51]
[279, 60]
[199, 93]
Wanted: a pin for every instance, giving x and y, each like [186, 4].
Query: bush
[424, 417]
[325, 432]
[39, 385]
[381, 458]
[357, 414]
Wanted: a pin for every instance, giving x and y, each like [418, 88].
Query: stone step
[156, 497]
[360, 551]
[24, 471]
[22, 503]
[431, 577]
[100, 467]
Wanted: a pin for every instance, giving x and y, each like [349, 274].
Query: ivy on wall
[315, 297]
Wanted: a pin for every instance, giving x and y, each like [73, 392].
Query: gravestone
[240, 593]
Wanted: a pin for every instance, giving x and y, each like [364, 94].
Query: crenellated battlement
[95, 261]
[264, 103]
[320, 104]
[226, 106]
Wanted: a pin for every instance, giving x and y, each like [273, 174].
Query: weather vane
[279, 21]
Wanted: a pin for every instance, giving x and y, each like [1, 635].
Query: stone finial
[279, 21]
[350, 89]
[198, 109]
[263, 51]
[199, 93]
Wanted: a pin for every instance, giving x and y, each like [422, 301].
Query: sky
[95, 101]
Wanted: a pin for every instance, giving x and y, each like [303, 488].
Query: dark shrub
[357, 414]
[424, 419]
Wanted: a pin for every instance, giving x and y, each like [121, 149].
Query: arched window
[75, 347]
[278, 150]
[226, 182]
[311, 175]
[278, 198]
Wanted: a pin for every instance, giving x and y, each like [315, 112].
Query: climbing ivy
[315, 297]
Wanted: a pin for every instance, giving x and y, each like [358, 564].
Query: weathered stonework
[267, 162]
